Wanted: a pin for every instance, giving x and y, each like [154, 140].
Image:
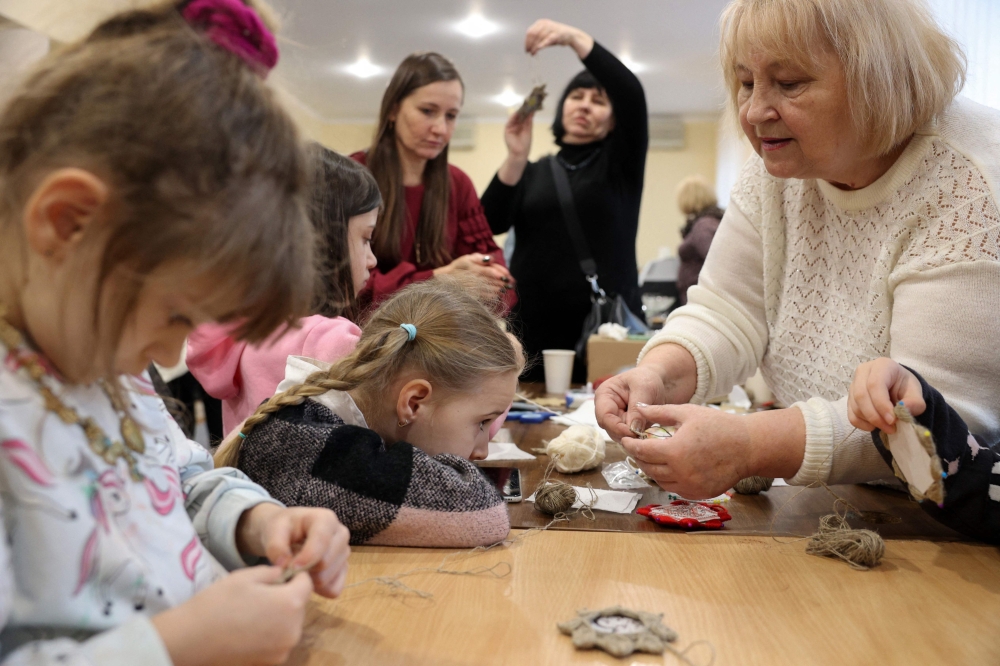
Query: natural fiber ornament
[753, 485]
[862, 549]
[914, 458]
[554, 497]
[619, 631]
[577, 449]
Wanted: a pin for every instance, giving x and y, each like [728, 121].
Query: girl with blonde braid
[385, 436]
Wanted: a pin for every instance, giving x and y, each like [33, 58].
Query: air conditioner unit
[666, 132]
[464, 136]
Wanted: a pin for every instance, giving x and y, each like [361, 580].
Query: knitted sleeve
[972, 487]
[723, 325]
[387, 495]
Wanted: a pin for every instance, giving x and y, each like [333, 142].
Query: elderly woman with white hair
[867, 225]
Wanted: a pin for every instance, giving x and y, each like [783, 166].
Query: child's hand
[299, 538]
[246, 619]
[877, 386]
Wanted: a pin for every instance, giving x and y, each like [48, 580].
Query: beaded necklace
[110, 451]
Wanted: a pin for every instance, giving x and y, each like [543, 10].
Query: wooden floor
[755, 598]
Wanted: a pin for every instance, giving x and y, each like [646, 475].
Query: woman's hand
[616, 400]
[708, 454]
[544, 33]
[246, 619]
[299, 538]
[877, 386]
[517, 135]
[483, 265]
[668, 374]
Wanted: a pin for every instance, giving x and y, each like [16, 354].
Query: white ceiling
[675, 39]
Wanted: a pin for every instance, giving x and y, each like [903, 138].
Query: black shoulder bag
[604, 308]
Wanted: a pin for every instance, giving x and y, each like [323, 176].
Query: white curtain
[976, 26]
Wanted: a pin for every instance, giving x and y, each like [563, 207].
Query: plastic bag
[622, 476]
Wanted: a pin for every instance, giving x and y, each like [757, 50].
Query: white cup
[558, 369]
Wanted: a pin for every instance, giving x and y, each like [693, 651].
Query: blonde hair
[204, 167]
[695, 194]
[902, 71]
[459, 343]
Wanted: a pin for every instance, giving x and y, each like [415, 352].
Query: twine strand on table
[860, 548]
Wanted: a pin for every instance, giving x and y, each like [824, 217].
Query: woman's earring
[403, 424]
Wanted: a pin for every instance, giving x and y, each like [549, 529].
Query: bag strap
[565, 194]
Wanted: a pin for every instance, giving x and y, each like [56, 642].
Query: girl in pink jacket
[344, 208]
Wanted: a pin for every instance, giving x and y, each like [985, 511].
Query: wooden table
[757, 599]
[780, 511]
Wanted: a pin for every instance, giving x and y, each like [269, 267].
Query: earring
[403, 424]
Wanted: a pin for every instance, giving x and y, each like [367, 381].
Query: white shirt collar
[297, 368]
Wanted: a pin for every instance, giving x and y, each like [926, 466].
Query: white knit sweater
[809, 281]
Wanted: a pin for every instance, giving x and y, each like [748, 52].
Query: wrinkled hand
[483, 265]
[707, 455]
[245, 619]
[300, 538]
[877, 386]
[616, 400]
[544, 33]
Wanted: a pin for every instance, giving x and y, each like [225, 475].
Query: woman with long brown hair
[431, 222]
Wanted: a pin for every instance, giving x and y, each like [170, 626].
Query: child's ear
[60, 209]
[412, 401]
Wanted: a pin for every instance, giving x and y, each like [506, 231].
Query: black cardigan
[554, 296]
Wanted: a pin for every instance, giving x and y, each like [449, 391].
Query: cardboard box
[606, 356]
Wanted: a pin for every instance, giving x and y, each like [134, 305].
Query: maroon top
[467, 231]
[692, 253]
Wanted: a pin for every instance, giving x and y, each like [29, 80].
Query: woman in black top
[602, 130]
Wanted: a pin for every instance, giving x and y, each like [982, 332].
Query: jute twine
[861, 549]
[753, 485]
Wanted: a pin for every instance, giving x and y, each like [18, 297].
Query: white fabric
[809, 281]
[506, 451]
[614, 501]
[297, 368]
[86, 548]
[585, 414]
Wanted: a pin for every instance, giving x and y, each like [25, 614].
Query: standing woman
[431, 222]
[602, 131]
[697, 201]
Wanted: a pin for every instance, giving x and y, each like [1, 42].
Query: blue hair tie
[411, 331]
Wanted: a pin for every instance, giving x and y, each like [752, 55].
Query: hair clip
[237, 28]
[411, 331]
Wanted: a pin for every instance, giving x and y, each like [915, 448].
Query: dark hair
[341, 189]
[582, 80]
[416, 71]
[203, 165]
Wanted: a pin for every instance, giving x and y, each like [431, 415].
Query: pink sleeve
[213, 357]
[328, 339]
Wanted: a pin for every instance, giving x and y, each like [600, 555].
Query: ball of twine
[554, 497]
[753, 485]
[862, 549]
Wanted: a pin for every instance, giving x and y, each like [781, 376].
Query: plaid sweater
[398, 495]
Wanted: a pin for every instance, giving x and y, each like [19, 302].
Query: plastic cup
[558, 369]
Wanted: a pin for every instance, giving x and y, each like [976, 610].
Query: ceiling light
[363, 68]
[476, 26]
[508, 98]
[636, 67]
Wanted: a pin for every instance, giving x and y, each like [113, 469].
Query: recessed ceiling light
[476, 26]
[636, 67]
[508, 98]
[363, 68]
